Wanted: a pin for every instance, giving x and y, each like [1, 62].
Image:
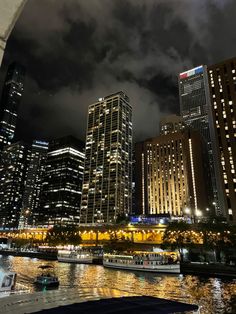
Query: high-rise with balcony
[107, 185]
[62, 183]
[11, 97]
[222, 79]
[195, 110]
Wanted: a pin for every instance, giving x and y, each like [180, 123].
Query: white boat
[7, 281]
[161, 262]
[78, 257]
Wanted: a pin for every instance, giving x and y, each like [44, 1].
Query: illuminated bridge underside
[99, 235]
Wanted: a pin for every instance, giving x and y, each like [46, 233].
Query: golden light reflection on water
[213, 294]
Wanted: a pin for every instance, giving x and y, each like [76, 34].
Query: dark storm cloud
[78, 50]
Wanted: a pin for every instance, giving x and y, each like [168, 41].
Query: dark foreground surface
[131, 305]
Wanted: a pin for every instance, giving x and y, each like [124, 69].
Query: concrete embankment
[209, 270]
[52, 256]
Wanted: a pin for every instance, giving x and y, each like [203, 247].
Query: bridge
[143, 234]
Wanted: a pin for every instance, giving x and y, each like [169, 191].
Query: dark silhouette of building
[62, 184]
[222, 81]
[11, 96]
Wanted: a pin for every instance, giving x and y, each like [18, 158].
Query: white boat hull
[88, 260]
[172, 268]
[7, 281]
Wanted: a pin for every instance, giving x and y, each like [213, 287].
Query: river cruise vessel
[161, 262]
[77, 257]
[81, 255]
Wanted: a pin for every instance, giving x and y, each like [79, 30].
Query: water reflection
[213, 294]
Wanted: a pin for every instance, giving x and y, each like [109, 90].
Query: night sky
[76, 51]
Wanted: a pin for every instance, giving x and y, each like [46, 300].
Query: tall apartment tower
[195, 110]
[62, 183]
[170, 172]
[107, 185]
[222, 78]
[12, 178]
[11, 97]
[33, 184]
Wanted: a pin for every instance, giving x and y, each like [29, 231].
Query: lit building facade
[195, 110]
[170, 174]
[11, 97]
[12, 178]
[222, 78]
[62, 183]
[33, 184]
[107, 185]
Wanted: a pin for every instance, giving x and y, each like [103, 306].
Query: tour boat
[161, 262]
[78, 257]
[7, 281]
[46, 279]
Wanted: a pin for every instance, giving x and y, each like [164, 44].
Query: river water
[214, 295]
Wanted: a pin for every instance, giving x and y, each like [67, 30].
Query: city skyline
[146, 69]
[109, 141]
[117, 156]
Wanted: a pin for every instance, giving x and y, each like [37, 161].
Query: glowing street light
[187, 210]
[198, 213]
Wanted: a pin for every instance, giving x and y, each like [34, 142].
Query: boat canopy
[45, 266]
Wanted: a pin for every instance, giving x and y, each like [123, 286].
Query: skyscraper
[62, 183]
[33, 184]
[222, 78]
[107, 185]
[170, 172]
[195, 110]
[12, 177]
[11, 97]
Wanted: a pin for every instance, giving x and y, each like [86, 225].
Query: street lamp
[188, 213]
[187, 210]
[198, 213]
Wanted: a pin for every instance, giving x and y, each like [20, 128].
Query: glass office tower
[62, 183]
[195, 110]
[11, 97]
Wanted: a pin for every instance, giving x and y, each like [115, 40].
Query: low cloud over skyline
[76, 51]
